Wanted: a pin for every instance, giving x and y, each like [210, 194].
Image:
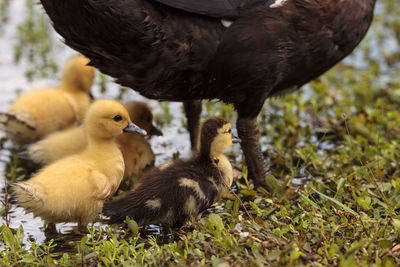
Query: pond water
[175, 139]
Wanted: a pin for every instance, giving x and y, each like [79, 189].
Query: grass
[340, 136]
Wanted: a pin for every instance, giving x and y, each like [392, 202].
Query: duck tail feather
[27, 195]
[16, 122]
[113, 210]
[118, 211]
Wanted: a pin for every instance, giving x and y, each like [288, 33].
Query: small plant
[34, 43]
[4, 13]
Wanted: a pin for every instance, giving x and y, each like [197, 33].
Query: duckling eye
[117, 118]
[229, 131]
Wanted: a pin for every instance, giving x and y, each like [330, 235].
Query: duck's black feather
[164, 185]
[166, 53]
[212, 8]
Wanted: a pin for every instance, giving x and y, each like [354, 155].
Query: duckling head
[107, 119]
[78, 75]
[142, 116]
[216, 137]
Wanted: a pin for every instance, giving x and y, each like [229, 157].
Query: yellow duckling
[73, 189]
[37, 113]
[135, 149]
[183, 189]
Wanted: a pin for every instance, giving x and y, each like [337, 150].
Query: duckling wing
[211, 8]
[102, 186]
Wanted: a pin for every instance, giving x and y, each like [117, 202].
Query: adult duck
[238, 51]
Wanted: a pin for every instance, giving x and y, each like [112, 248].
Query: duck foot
[193, 110]
[248, 132]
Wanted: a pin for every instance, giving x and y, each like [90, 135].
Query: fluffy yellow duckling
[182, 189]
[73, 189]
[37, 113]
[135, 149]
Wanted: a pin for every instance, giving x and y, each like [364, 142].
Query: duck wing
[102, 187]
[211, 8]
[158, 50]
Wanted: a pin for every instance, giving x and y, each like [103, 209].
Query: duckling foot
[193, 111]
[248, 132]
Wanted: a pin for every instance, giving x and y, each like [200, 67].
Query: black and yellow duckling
[239, 51]
[183, 189]
[40, 112]
[135, 149]
[73, 189]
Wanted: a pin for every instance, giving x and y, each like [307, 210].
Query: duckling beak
[236, 140]
[155, 131]
[133, 128]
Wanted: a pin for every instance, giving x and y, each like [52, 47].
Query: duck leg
[193, 111]
[247, 128]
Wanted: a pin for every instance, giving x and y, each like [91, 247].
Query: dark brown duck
[179, 50]
[182, 189]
